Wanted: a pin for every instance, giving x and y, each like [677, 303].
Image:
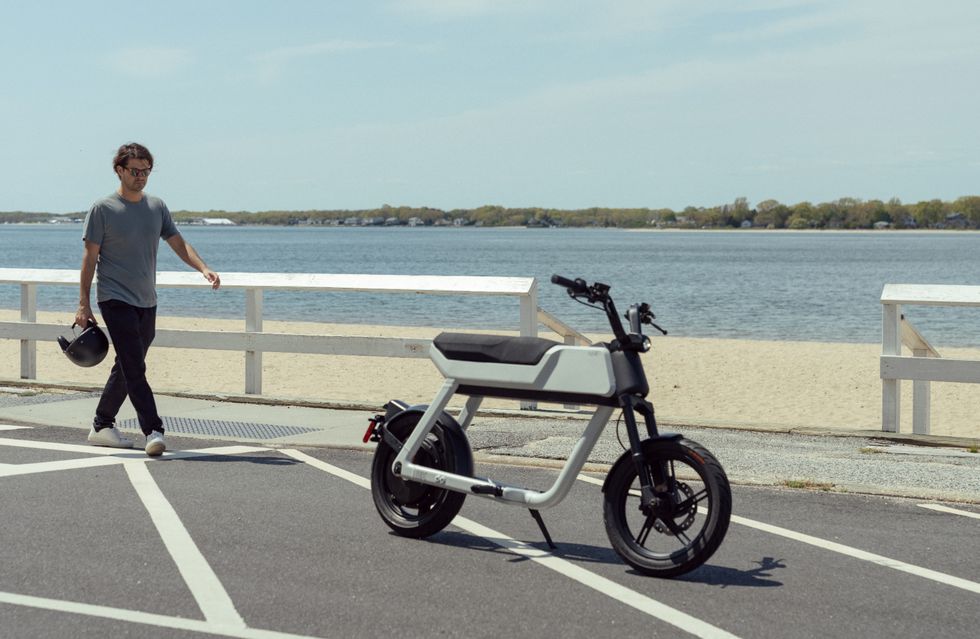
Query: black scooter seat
[493, 349]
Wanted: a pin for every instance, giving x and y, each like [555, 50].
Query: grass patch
[806, 484]
[974, 448]
[870, 450]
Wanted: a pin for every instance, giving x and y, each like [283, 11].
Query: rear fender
[455, 435]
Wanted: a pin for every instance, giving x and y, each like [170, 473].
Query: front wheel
[687, 519]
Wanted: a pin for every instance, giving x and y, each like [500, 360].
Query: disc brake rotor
[686, 492]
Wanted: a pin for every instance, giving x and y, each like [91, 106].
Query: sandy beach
[737, 383]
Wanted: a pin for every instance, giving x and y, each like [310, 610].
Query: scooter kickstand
[544, 529]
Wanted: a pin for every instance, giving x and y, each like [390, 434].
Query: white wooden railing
[253, 341]
[925, 365]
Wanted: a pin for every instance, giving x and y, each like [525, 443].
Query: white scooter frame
[423, 465]
[554, 372]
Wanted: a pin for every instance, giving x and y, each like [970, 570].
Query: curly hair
[131, 151]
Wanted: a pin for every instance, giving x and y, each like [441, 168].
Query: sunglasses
[138, 172]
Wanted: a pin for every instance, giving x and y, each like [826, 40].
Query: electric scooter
[666, 500]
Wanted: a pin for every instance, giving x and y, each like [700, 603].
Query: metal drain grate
[10, 400]
[219, 428]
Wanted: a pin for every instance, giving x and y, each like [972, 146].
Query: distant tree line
[845, 213]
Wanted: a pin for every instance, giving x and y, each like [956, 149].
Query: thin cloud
[269, 64]
[288, 54]
[150, 61]
[461, 9]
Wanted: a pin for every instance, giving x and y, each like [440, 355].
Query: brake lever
[650, 322]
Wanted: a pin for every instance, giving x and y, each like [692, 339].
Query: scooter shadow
[583, 553]
[707, 574]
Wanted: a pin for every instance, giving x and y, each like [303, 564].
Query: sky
[299, 105]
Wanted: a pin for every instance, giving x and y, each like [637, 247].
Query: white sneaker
[155, 444]
[108, 436]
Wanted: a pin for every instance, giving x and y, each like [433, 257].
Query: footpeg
[487, 489]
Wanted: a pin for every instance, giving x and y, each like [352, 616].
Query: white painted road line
[918, 571]
[66, 448]
[12, 427]
[12, 470]
[210, 595]
[145, 618]
[934, 575]
[108, 457]
[952, 511]
[605, 586]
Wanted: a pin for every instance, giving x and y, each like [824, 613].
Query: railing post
[529, 324]
[921, 399]
[28, 347]
[253, 324]
[891, 344]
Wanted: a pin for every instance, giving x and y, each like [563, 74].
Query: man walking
[122, 233]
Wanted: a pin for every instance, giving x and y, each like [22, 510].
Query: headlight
[646, 344]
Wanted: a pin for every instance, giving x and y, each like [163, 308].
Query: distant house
[415, 221]
[881, 225]
[957, 221]
[746, 224]
[392, 221]
[210, 221]
[352, 221]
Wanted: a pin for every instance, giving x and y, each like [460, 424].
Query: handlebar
[577, 286]
[599, 293]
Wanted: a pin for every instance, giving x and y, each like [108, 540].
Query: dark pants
[132, 330]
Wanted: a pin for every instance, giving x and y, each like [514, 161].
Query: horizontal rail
[931, 294]
[930, 369]
[342, 282]
[239, 341]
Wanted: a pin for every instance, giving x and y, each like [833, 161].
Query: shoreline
[625, 229]
[743, 383]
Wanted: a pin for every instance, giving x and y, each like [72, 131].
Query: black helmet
[88, 348]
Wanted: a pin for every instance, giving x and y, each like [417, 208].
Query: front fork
[653, 477]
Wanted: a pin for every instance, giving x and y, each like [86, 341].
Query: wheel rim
[678, 523]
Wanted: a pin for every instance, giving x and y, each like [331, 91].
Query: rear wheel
[412, 509]
[688, 518]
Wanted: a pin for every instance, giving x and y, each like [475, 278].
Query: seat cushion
[496, 349]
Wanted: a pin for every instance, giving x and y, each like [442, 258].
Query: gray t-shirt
[128, 234]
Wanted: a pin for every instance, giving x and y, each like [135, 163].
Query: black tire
[412, 509]
[688, 522]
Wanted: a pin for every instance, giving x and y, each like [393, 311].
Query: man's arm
[89, 258]
[186, 252]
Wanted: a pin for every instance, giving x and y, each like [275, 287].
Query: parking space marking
[203, 583]
[600, 584]
[145, 618]
[952, 511]
[880, 560]
[12, 470]
[221, 617]
[108, 456]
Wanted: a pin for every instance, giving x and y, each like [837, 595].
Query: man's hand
[84, 315]
[212, 277]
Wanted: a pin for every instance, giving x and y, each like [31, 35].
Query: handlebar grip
[578, 286]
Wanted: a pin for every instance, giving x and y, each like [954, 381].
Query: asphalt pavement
[258, 523]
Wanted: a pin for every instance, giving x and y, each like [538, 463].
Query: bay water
[757, 285]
